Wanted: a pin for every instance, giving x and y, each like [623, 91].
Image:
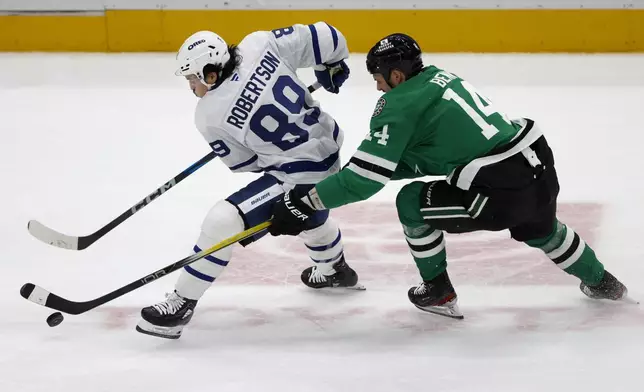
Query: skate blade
[624, 299]
[450, 309]
[628, 299]
[357, 287]
[148, 328]
[337, 287]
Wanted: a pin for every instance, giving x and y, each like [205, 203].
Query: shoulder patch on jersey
[379, 106]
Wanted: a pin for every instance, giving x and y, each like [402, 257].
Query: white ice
[83, 137]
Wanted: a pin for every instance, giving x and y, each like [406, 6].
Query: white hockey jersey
[262, 118]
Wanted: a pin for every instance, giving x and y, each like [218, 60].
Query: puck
[54, 319]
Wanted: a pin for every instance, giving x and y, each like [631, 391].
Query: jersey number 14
[483, 105]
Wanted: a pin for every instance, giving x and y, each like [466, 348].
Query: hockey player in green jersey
[500, 174]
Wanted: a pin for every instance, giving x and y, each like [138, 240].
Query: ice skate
[331, 276]
[167, 319]
[436, 296]
[608, 288]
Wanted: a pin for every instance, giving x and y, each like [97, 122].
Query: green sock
[427, 246]
[570, 253]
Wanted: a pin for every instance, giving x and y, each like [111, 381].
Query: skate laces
[420, 289]
[171, 305]
[317, 276]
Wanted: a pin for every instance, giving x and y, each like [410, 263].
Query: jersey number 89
[272, 125]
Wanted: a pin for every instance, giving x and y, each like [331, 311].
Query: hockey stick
[52, 237]
[40, 296]
[314, 87]
[55, 238]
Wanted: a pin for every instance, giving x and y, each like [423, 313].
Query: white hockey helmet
[200, 49]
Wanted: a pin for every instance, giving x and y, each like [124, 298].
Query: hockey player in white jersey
[258, 116]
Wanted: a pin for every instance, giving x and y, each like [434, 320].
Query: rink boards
[441, 26]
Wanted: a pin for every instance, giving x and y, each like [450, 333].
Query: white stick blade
[52, 237]
[39, 296]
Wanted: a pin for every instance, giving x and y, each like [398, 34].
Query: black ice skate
[167, 319]
[608, 288]
[337, 275]
[436, 296]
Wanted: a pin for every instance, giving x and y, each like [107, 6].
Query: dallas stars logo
[379, 106]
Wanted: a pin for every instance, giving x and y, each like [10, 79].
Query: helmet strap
[213, 85]
[206, 84]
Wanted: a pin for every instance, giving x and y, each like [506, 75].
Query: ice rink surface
[86, 136]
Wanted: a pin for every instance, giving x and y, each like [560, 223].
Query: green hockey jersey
[428, 125]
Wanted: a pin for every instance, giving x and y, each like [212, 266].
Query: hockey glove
[332, 76]
[290, 215]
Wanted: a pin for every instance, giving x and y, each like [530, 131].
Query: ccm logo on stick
[148, 199]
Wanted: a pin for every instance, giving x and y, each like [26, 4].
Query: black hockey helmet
[395, 51]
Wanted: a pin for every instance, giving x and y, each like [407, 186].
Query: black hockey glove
[290, 215]
[332, 76]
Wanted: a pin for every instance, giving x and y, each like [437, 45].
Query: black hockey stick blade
[60, 240]
[40, 296]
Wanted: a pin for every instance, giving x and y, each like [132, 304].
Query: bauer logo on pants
[379, 106]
